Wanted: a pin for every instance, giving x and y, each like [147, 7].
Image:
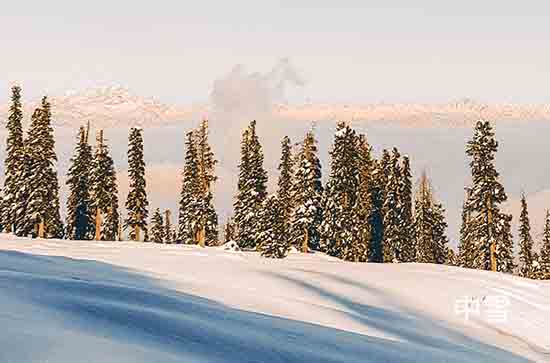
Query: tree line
[367, 211]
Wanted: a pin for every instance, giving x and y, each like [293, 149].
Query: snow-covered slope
[66, 301]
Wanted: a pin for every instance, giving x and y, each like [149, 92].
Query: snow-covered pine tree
[377, 215]
[285, 185]
[168, 230]
[53, 224]
[229, 231]
[393, 218]
[104, 190]
[340, 227]
[439, 236]
[80, 222]
[544, 258]
[307, 193]
[488, 228]
[466, 250]
[525, 241]
[14, 162]
[364, 204]
[273, 242]
[205, 214]
[157, 227]
[136, 202]
[190, 189]
[407, 242]
[40, 186]
[251, 189]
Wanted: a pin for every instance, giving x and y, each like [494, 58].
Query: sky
[346, 51]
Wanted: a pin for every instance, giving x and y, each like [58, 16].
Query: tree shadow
[405, 324]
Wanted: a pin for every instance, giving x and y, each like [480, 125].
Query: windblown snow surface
[67, 301]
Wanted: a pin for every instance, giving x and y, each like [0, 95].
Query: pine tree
[41, 188]
[364, 203]
[207, 218]
[136, 202]
[80, 224]
[14, 163]
[251, 189]
[466, 250]
[406, 241]
[525, 241]
[488, 228]
[229, 231]
[307, 193]
[157, 228]
[393, 221]
[340, 227]
[104, 190]
[439, 236]
[273, 242]
[544, 258]
[376, 218]
[168, 234]
[187, 225]
[285, 184]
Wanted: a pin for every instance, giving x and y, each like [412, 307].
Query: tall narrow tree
[545, 250]
[273, 242]
[307, 192]
[136, 202]
[14, 162]
[393, 219]
[285, 184]
[157, 228]
[525, 241]
[406, 241]
[187, 226]
[80, 224]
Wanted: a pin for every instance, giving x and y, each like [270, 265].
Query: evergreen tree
[168, 230]
[229, 231]
[136, 202]
[466, 250]
[439, 236]
[285, 185]
[207, 218]
[488, 228]
[377, 215]
[40, 187]
[80, 224]
[544, 258]
[104, 190]
[525, 241]
[340, 227]
[307, 193]
[187, 224]
[251, 189]
[393, 221]
[14, 163]
[406, 241]
[364, 205]
[157, 228]
[273, 242]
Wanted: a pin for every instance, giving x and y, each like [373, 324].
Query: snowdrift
[68, 301]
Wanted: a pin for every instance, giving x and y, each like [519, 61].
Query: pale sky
[348, 51]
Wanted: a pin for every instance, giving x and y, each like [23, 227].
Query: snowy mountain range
[117, 106]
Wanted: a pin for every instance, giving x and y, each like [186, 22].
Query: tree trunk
[40, 228]
[97, 236]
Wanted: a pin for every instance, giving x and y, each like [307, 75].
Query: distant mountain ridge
[117, 106]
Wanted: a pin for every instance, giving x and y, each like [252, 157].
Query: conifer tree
[406, 241]
[187, 225]
[251, 189]
[80, 224]
[229, 231]
[466, 250]
[40, 187]
[307, 193]
[488, 228]
[364, 205]
[157, 227]
[168, 230]
[340, 230]
[273, 242]
[544, 259]
[393, 221]
[376, 218]
[439, 236]
[104, 190]
[205, 214]
[525, 241]
[285, 184]
[136, 202]
[14, 163]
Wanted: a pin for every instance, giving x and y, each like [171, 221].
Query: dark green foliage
[285, 186]
[104, 190]
[157, 227]
[407, 242]
[14, 163]
[393, 221]
[273, 239]
[544, 259]
[376, 218]
[307, 192]
[525, 241]
[136, 202]
[80, 220]
[187, 225]
[251, 189]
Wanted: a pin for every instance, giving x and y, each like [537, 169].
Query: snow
[71, 301]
